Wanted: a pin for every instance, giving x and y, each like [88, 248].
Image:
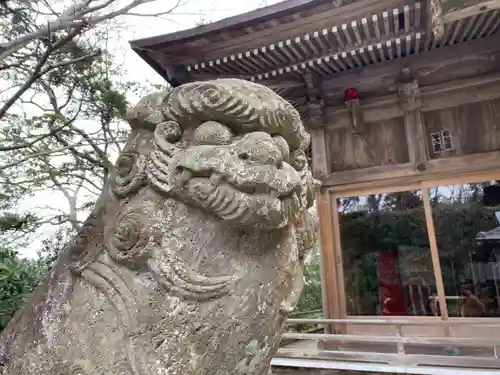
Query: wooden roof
[279, 44]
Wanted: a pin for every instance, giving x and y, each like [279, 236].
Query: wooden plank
[408, 173]
[382, 144]
[413, 340]
[474, 128]
[409, 359]
[416, 321]
[292, 366]
[454, 10]
[436, 264]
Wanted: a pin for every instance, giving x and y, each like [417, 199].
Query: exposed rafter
[347, 44]
[323, 39]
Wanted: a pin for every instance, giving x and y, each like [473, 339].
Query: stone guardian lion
[192, 258]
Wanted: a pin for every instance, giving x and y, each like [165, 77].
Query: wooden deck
[391, 354]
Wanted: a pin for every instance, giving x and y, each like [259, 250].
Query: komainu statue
[192, 258]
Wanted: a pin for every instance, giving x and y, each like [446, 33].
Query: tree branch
[80, 18]
[38, 154]
[40, 71]
[36, 140]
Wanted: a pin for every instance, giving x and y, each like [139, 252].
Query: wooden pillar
[339, 266]
[316, 126]
[436, 265]
[409, 94]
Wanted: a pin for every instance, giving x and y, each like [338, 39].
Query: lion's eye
[213, 133]
[243, 155]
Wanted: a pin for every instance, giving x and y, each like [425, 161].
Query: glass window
[386, 256]
[468, 238]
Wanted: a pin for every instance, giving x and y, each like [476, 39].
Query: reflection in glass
[468, 238]
[386, 256]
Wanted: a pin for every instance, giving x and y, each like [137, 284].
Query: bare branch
[158, 14]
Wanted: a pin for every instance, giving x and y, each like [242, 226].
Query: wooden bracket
[409, 91]
[435, 18]
[441, 12]
[409, 96]
[358, 124]
[315, 103]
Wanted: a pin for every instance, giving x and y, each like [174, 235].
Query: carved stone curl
[132, 237]
[193, 256]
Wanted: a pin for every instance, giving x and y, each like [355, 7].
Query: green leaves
[18, 278]
[311, 297]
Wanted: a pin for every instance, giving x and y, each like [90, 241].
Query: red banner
[391, 294]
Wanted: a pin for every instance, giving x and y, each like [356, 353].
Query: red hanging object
[350, 94]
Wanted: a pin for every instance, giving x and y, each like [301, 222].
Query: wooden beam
[374, 110]
[441, 96]
[454, 10]
[460, 92]
[408, 173]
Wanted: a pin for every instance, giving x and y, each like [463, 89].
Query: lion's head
[229, 147]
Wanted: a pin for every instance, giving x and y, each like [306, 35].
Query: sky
[188, 15]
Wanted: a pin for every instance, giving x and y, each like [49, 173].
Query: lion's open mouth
[264, 209]
[269, 203]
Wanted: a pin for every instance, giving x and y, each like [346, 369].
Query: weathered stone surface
[191, 258]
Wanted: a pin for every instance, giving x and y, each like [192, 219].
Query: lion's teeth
[185, 176]
[216, 178]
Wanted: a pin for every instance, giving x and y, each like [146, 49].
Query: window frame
[334, 292]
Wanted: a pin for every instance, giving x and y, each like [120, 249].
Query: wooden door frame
[334, 303]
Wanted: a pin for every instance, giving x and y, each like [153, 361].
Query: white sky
[187, 16]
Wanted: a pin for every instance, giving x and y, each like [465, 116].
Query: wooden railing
[397, 350]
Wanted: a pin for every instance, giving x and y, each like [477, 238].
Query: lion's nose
[261, 149]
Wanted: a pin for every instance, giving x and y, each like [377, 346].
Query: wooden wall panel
[474, 128]
[383, 143]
